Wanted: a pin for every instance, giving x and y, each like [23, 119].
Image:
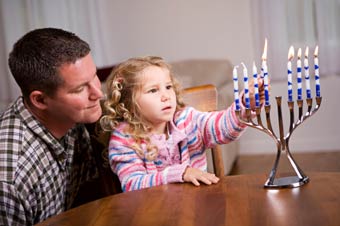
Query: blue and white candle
[246, 85]
[256, 86]
[289, 70]
[264, 74]
[236, 95]
[317, 75]
[266, 84]
[307, 79]
[299, 77]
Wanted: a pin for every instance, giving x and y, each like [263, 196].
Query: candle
[256, 86]
[236, 97]
[289, 69]
[264, 73]
[299, 78]
[305, 63]
[317, 76]
[246, 85]
[266, 87]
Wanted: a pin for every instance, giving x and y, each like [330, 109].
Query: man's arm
[12, 211]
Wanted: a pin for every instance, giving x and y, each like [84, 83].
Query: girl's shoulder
[185, 116]
[183, 112]
[186, 111]
[120, 134]
[122, 126]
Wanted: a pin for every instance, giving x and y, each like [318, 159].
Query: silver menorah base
[282, 142]
[287, 182]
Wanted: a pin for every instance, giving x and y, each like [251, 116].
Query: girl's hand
[252, 92]
[194, 175]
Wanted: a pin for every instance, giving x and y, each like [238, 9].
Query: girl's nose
[165, 96]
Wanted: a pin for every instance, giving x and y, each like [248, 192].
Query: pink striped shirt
[191, 133]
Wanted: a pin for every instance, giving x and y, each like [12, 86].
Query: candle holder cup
[282, 141]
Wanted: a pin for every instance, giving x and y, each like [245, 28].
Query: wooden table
[235, 200]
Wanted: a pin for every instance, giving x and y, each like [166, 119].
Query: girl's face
[156, 99]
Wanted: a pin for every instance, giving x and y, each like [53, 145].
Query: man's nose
[96, 91]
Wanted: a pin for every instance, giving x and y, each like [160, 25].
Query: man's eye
[78, 90]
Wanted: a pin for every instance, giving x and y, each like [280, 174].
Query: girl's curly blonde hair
[120, 105]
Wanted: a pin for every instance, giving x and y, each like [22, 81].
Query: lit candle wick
[306, 52]
[299, 54]
[316, 51]
[291, 53]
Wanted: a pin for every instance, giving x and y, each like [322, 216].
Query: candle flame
[316, 51]
[306, 52]
[264, 55]
[299, 54]
[291, 53]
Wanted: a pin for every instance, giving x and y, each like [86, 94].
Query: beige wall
[180, 29]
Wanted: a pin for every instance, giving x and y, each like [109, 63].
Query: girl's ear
[38, 99]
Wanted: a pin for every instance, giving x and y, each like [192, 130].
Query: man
[45, 152]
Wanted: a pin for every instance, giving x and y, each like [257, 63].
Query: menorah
[282, 141]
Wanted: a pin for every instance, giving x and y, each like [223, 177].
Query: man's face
[77, 100]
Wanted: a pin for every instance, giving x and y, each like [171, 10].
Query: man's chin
[94, 117]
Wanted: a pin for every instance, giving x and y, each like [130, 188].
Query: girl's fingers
[195, 182]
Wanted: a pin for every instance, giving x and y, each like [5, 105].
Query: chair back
[204, 98]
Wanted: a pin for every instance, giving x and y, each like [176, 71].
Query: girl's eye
[152, 91]
[169, 87]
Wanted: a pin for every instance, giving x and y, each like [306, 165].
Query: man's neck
[56, 128]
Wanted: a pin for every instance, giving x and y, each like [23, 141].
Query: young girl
[156, 139]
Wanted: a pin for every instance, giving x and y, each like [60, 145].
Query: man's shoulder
[11, 137]
[11, 116]
[13, 131]
[12, 127]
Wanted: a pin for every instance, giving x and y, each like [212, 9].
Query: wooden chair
[204, 98]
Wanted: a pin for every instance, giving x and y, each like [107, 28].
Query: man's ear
[38, 99]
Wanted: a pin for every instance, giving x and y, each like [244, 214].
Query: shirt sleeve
[12, 210]
[217, 127]
[136, 173]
